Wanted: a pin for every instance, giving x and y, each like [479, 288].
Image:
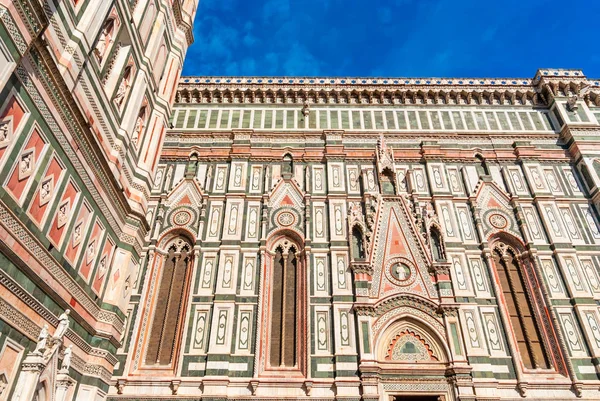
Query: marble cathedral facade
[169, 238]
[372, 239]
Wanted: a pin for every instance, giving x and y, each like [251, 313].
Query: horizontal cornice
[539, 90]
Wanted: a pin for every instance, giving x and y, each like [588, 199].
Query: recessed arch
[408, 339]
[387, 180]
[287, 165]
[358, 246]
[284, 305]
[438, 249]
[173, 282]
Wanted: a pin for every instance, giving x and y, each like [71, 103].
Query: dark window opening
[283, 317]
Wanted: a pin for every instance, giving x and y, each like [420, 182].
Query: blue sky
[405, 38]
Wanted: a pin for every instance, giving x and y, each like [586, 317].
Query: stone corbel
[175, 386]
[308, 385]
[253, 386]
[120, 385]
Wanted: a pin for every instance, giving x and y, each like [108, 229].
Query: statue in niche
[267, 177]
[402, 272]
[3, 131]
[42, 341]
[139, 126]
[45, 190]
[123, 87]
[105, 39]
[25, 164]
[307, 177]
[63, 325]
[208, 176]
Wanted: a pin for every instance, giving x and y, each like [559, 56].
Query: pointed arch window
[170, 304]
[520, 309]
[283, 318]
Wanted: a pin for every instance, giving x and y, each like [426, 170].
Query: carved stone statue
[306, 109]
[168, 178]
[42, 341]
[66, 362]
[139, 126]
[572, 101]
[3, 131]
[104, 40]
[45, 190]
[25, 164]
[122, 91]
[63, 325]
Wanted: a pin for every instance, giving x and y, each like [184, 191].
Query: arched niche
[358, 245]
[438, 250]
[388, 182]
[287, 164]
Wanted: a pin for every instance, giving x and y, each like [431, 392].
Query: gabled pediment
[286, 193]
[187, 192]
[495, 208]
[400, 261]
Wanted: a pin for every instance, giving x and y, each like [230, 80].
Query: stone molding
[436, 91]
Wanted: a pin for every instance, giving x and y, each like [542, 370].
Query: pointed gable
[186, 192]
[400, 261]
[495, 208]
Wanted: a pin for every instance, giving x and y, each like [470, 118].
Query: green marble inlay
[454, 331]
[365, 337]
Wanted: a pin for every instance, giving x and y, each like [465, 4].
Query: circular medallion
[498, 221]
[181, 218]
[286, 219]
[400, 271]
